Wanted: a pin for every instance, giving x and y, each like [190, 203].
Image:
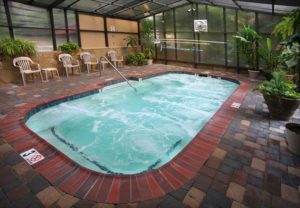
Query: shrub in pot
[10, 49]
[280, 96]
[268, 55]
[132, 42]
[247, 40]
[69, 47]
[136, 59]
[147, 32]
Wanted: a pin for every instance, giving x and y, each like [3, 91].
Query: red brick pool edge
[78, 181]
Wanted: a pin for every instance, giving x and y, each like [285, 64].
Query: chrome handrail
[115, 68]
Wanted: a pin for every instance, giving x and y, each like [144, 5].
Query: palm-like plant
[132, 42]
[147, 38]
[11, 48]
[269, 56]
[247, 44]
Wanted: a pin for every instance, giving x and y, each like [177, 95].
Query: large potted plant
[147, 31]
[10, 49]
[247, 40]
[268, 54]
[293, 137]
[132, 42]
[69, 47]
[280, 96]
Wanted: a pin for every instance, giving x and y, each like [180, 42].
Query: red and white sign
[32, 156]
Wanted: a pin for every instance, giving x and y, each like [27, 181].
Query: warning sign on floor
[32, 156]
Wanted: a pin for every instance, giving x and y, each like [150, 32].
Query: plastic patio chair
[112, 54]
[69, 62]
[24, 64]
[89, 60]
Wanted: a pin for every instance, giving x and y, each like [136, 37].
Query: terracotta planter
[253, 74]
[289, 77]
[150, 61]
[281, 108]
[293, 137]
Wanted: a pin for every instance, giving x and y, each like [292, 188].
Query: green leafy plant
[247, 40]
[269, 56]
[278, 86]
[11, 48]
[136, 59]
[290, 56]
[132, 42]
[289, 25]
[147, 31]
[69, 47]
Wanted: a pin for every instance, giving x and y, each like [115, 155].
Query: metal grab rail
[115, 68]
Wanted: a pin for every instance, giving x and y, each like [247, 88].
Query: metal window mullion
[9, 21]
[67, 25]
[154, 25]
[164, 32]
[78, 28]
[50, 12]
[139, 32]
[175, 35]
[256, 51]
[198, 37]
[225, 36]
[237, 47]
[105, 32]
[194, 35]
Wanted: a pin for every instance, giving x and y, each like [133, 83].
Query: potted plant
[247, 40]
[293, 137]
[69, 47]
[147, 32]
[136, 59]
[280, 96]
[10, 49]
[268, 54]
[132, 42]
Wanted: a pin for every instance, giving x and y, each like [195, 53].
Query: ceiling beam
[128, 6]
[239, 6]
[55, 4]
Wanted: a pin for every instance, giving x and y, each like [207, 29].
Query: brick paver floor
[251, 166]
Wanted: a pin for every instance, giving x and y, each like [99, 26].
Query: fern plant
[69, 47]
[11, 48]
[289, 25]
[279, 86]
[247, 40]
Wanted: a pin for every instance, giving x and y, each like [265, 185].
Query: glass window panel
[3, 20]
[61, 36]
[28, 16]
[73, 36]
[231, 20]
[213, 53]
[41, 37]
[169, 20]
[170, 47]
[59, 19]
[71, 20]
[159, 26]
[184, 19]
[245, 18]
[215, 19]
[201, 11]
[4, 32]
[89, 22]
[91, 40]
[185, 51]
[267, 22]
[231, 50]
[120, 25]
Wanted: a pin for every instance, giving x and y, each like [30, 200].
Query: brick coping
[87, 184]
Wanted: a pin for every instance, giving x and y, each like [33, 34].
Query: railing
[115, 68]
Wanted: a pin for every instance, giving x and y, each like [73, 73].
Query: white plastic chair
[69, 62]
[24, 64]
[112, 54]
[89, 60]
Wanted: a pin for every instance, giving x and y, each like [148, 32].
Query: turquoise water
[120, 132]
